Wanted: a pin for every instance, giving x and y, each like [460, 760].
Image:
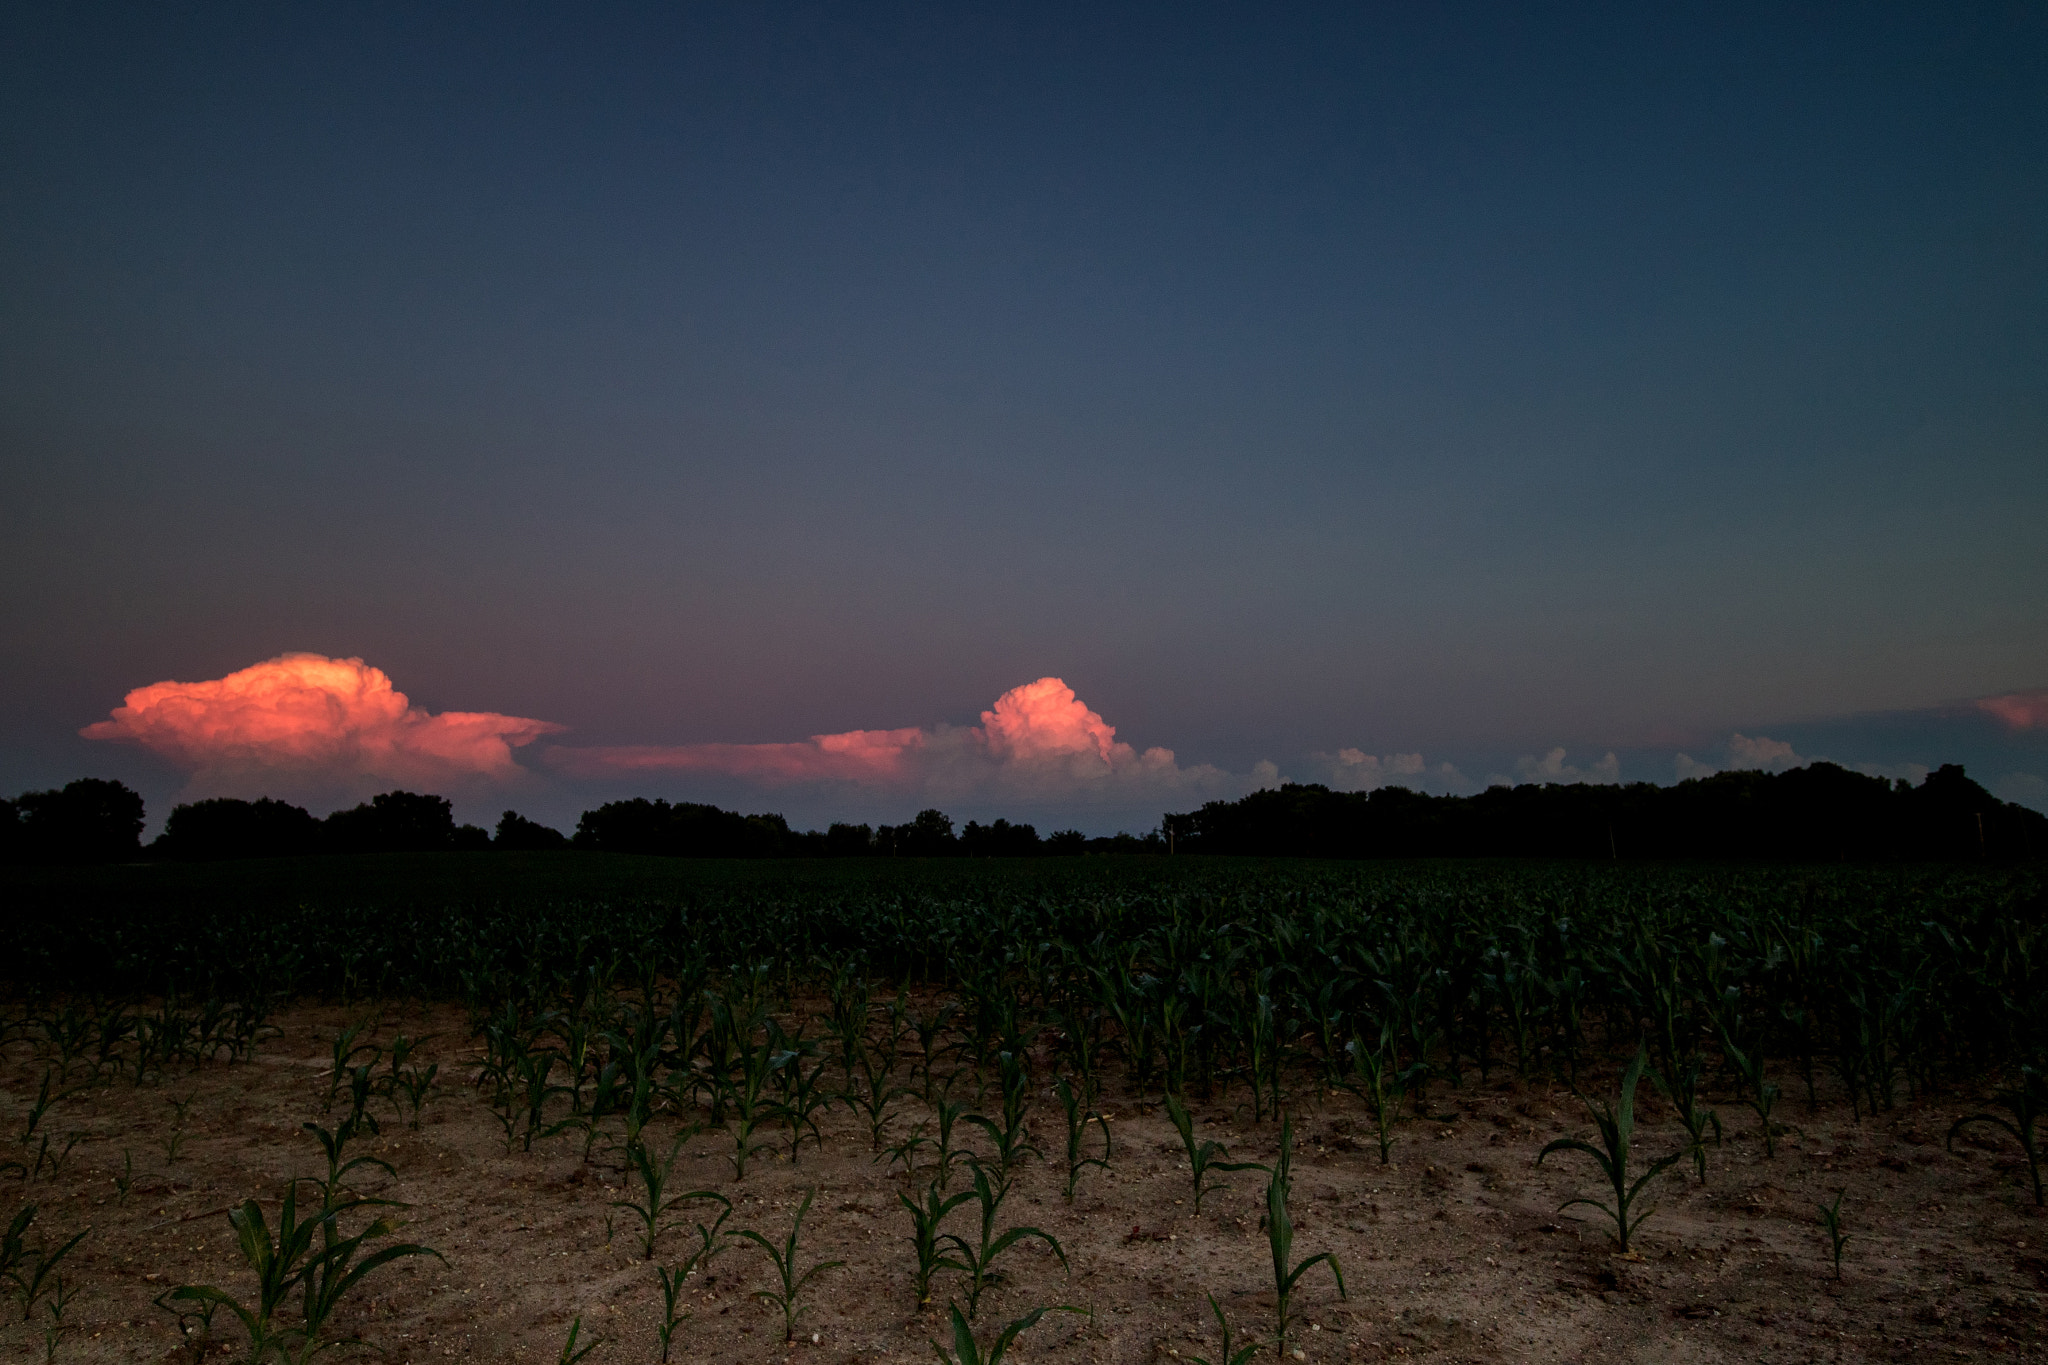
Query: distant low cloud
[1745, 754]
[2018, 710]
[306, 722]
[1553, 768]
[1039, 742]
[1357, 771]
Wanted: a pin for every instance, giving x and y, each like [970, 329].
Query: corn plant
[802, 1095]
[45, 1097]
[741, 1091]
[1617, 1126]
[345, 1049]
[672, 1316]
[949, 1113]
[290, 1259]
[925, 1219]
[333, 1146]
[655, 1204]
[2027, 1103]
[1280, 1240]
[870, 1099]
[1231, 1354]
[29, 1271]
[1079, 1116]
[967, 1351]
[1759, 1091]
[408, 1080]
[570, 1352]
[1377, 1078]
[60, 1303]
[1831, 1223]
[1683, 1092]
[1012, 1141]
[1201, 1156]
[977, 1258]
[791, 1281]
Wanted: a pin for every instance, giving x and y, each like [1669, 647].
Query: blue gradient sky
[1440, 379]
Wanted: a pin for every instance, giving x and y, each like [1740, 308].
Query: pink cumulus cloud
[309, 719]
[1038, 740]
[2018, 710]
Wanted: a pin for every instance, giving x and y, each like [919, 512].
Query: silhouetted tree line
[1822, 812]
[1819, 812]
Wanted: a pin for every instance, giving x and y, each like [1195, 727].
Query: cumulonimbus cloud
[2018, 710]
[304, 721]
[1039, 741]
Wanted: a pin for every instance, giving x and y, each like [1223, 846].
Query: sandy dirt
[1457, 1251]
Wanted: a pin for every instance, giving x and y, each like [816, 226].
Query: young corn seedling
[345, 1050]
[977, 1258]
[1202, 1156]
[1378, 1079]
[333, 1146]
[45, 1097]
[1231, 1354]
[2026, 1103]
[324, 1271]
[906, 1152]
[672, 1315]
[802, 1096]
[570, 1352]
[949, 1113]
[125, 1181]
[791, 1281]
[60, 1302]
[967, 1351]
[409, 1081]
[1831, 1223]
[1012, 1142]
[655, 1203]
[1760, 1092]
[1280, 1240]
[30, 1271]
[1684, 1094]
[870, 1099]
[925, 1219]
[1617, 1127]
[1079, 1116]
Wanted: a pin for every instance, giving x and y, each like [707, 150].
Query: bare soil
[1457, 1251]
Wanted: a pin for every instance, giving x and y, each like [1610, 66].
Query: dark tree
[1066, 843]
[849, 841]
[1000, 839]
[518, 834]
[91, 820]
[930, 835]
[227, 828]
[1821, 812]
[394, 822]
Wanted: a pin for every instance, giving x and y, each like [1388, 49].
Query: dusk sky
[1063, 412]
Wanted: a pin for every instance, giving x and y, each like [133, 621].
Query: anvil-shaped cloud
[1038, 741]
[314, 722]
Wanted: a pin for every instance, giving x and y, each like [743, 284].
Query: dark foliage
[518, 834]
[397, 822]
[999, 840]
[228, 828]
[91, 820]
[688, 830]
[1822, 812]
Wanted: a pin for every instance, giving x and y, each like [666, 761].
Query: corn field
[941, 1007]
